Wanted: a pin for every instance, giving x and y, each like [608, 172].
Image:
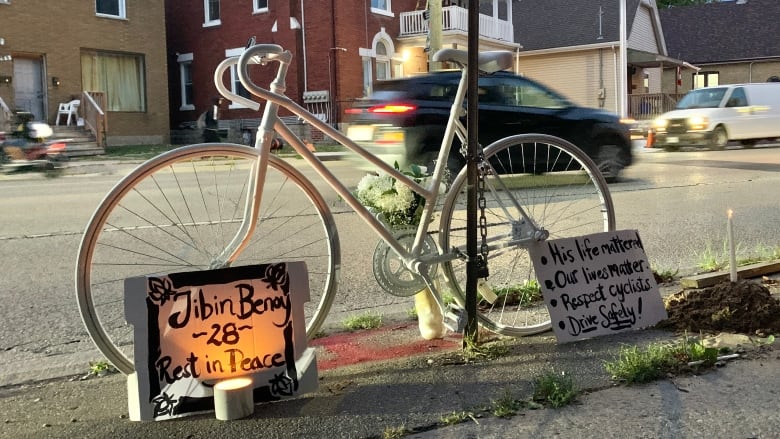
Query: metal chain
[482, 169]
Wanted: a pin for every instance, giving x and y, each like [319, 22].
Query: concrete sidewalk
[390, 380]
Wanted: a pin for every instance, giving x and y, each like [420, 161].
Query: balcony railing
[455, 19]
[95, 119]
[649, 105]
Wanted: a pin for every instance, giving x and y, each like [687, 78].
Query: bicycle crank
[390, 271]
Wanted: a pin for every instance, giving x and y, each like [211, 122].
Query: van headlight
[660, 125]
[698, 123]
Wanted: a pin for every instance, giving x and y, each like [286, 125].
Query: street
[678, 202]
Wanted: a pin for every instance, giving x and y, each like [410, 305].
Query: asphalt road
[678, 202]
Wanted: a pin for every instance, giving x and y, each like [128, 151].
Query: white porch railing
[455, 18]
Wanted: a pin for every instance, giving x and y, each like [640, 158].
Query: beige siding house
[732, 42]
[574, 46]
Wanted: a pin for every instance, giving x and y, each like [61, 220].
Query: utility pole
[434, 33]
[471, 332]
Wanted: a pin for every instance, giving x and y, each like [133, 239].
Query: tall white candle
[732, 250]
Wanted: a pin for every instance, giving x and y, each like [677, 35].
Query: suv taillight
[393, 108]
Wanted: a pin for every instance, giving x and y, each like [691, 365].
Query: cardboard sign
[195, 329]
[597, 284]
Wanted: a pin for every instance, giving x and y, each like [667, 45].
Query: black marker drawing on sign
[597, 284]
[218, 320]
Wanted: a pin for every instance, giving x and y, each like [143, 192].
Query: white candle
[233, 399]
[732, 250]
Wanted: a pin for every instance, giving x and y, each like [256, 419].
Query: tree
[671, 3]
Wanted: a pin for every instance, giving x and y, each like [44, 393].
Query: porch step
[80, 140]
[81, 149]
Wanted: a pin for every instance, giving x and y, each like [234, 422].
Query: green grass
[394, 432]
[635, 365]
[455, 418]
[505, 406]
[133, 152]
[554, 389]
[485, 351]
[101, 368]
[530, 181]
[712, 260]
[144, 152]
[762, 253]
[525, 294]
[364, 321]
[288, 151]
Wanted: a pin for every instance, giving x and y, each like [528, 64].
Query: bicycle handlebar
[262, 54]
[227, 94]
[256, 54]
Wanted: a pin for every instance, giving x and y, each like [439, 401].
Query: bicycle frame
[271, 123]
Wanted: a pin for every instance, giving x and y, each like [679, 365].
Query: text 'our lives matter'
[597, 284]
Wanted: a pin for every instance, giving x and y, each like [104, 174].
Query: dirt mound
[745, 307]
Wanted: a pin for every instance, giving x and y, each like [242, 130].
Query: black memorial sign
[597, 284]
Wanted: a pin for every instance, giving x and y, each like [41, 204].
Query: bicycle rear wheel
[559, 188]
[177, 212]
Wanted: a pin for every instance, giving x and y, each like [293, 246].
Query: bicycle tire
[559, 187]
[177, 211]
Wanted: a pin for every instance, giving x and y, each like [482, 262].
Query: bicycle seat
[488, 62]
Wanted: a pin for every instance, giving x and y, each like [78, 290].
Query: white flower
[397, 202]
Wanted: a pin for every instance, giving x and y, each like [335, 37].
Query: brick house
[110, 54]
[340, 48]
[731, 41]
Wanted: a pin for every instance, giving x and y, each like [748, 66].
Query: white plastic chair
[69, 109]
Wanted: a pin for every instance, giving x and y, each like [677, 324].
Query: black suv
[404, 119]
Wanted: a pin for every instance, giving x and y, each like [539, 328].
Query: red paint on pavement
[396, 341]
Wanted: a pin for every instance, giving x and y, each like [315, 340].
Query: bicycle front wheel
[178, 212]
[559, 188]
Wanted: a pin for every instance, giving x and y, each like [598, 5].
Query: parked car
[403, 120]
[713, 116]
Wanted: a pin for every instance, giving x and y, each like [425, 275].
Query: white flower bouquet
[398, 205]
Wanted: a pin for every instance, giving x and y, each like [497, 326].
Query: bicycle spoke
[532, 177]
[179, 212]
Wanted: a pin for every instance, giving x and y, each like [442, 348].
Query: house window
[185, 81]
[367, 77]
[382, 61]
[119, 76]
[381, 7]
[235, 84]
[211, 13]
[705, 79]
[260, 5]
[110, 8]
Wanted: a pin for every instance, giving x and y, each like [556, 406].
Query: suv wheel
[609, 162]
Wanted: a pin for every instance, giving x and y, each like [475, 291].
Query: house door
[28, 86]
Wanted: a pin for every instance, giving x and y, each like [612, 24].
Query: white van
[713, 116]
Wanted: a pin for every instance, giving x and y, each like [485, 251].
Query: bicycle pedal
[455, 319]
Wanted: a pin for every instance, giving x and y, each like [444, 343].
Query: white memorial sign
[597, 284]
[193, 330]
